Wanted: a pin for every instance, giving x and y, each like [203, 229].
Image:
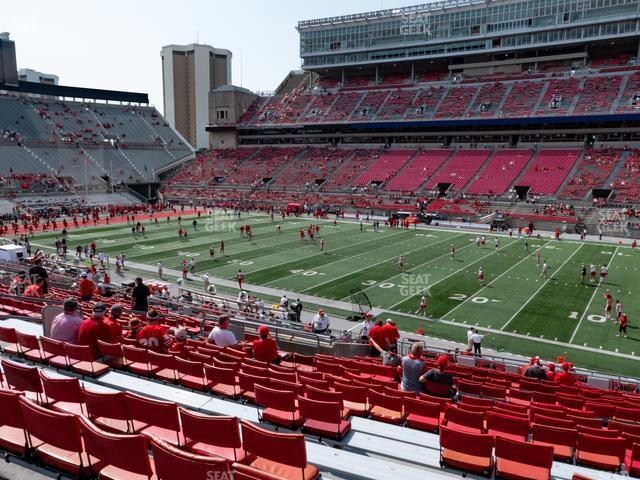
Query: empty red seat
[217, 436]
[55, 438]
[600, 452]
[246, 384]
[112, 354]
[327, 396]
[118, 456]
[507, 426]
[82, 360]
[470, 452]
[10, 341]
[12, 433]
[154, 418]
[63, 394]
[283, 455]
[30, 347]
[191, 374]
[279, 407]
[563, 440]
[355, 398]
[171, 463]
[137, 360]
[222, 381]
[456, 418]
[518, 460]
[421, 414]
[24, 378]
[386, 408]
[55, 352]
[108, 410]
[323, 418]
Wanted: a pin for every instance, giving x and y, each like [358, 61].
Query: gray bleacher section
[130, 125]
[372, 450]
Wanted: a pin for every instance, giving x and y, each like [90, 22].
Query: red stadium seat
[55, 438]
[109, 449]
[112, 354]
[518, 460]
[30, 348]
[506, 426]
[469, 452]
[10, 341]
[216, 436]
[421, 414]
[355, 398]
[600, 452]
[55, 352]
[279, 407]
[386, 408]
[191, 374]
[327, 396]
[83, 362]
[154, 418]
[166, 364]
[171, 463]
[222, 381]
[247, 382]
[108, 410]
[63, 394]
[563, 440]
[323, 418]
[12, 432]
[137, 361]
[24, 378]
[456, 418]
[279, 454]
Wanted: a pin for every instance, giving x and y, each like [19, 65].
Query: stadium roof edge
[76, 92]
[390, 12]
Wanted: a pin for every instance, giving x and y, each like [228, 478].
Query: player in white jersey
[545, 270]
[400, 265]
[496, 243]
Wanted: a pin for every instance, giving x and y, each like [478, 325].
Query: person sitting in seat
[412, 369]
[535, 370]
[265, 349]
[390, 357]
[179, 341]
[221, 335]
[154, 335]
[438, 375]
[565, 377]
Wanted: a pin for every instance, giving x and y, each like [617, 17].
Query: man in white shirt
[476, 339]
[469, 342]
[365, 326]
[221, 336]
[284, 302]
[160, 267]
[320, 322]
[205, 281]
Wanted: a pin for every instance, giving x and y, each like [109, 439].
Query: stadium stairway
[572, 172]
[372, 450]
[620, 96]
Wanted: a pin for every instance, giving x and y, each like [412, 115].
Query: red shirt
[623, 320]
[114, 327]
[33, 291]
[86, 287]
[378, 334]
[391, 334]
[565, 378]
[177, 347]
[265, 350]
[154, 337]
[92, 330]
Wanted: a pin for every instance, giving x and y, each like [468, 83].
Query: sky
[116, 44]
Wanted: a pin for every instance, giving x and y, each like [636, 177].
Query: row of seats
[592, 171]
[389, 163]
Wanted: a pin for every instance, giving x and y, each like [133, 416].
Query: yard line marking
[541, 287]
[458, 271]
[319, 254]
[448, 239]
[491, 282]
[595, 290]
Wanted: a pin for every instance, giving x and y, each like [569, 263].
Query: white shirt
[320, 322]
[160, 265]
[364, 328]
[476, 338]
[222, 337]
[283, 301]
[205, 278]
[469, 334]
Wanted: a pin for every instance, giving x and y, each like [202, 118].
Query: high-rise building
[189, 74]
[29, 75]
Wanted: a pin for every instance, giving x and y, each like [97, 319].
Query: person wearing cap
[39, 271]
[221, 335]
[439, 376]
[535, 370]
[86, 288]
[365, 326]
[391, 332]
[93, 329]
[390, 357]
[154, 335]
[139, 296]
[412, 369]
[265, 348]
[377, 335]
[179, 341]
[35, 289]
[565, 377]
[111, 321]
[65, 325]
[551, 372]
[320, 322]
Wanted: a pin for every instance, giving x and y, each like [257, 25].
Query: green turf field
[530, 311]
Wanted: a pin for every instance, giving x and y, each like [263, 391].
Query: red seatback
[602, 445]
[352, 393]
[82, 353]
[310, 382]
[173, 463]
[385, 401]
[162, 360]
[135, 354]
[296, 388]
[252, 370]
[188, 367]
[214, 430]
[630, 414]
[22, 377]
[624, 427]
[421, 407]
[554, 422]
[476, 444]
[127, 452]
[285, 377]
[233, 365]
[54, 428]
[62, 389]
[110, 349]
[106, 405]
[323, 395]
[497, 422]
[27, 342]
[52, 346]
[599, 432]
[555, 435]
[287, 448]
[153, 412]
[462, 417]
[586, 421]
[278, 399]
[225, 376]
[10, 413]
[246, 382]
[8, 335]
[522, 452]
[329, 412]
[481, 402]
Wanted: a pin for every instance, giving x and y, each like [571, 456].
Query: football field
[524, 312]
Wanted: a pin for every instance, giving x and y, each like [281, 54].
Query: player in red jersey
[634, 245]
[240, 278]
[452, 251]
[481, 276]
[608, 304]
[221, 247]
[301, 234]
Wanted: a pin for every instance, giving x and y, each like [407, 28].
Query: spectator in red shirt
[85, 288]
[111, 321]
[35, 289]
[391, 332]
[565, 377]
[377, 333]
[265, 349]
[154, 335]
[551, 372]
[93, 329]
[134, 327]
[179, 342]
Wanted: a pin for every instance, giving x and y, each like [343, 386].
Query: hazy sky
[116, 44]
